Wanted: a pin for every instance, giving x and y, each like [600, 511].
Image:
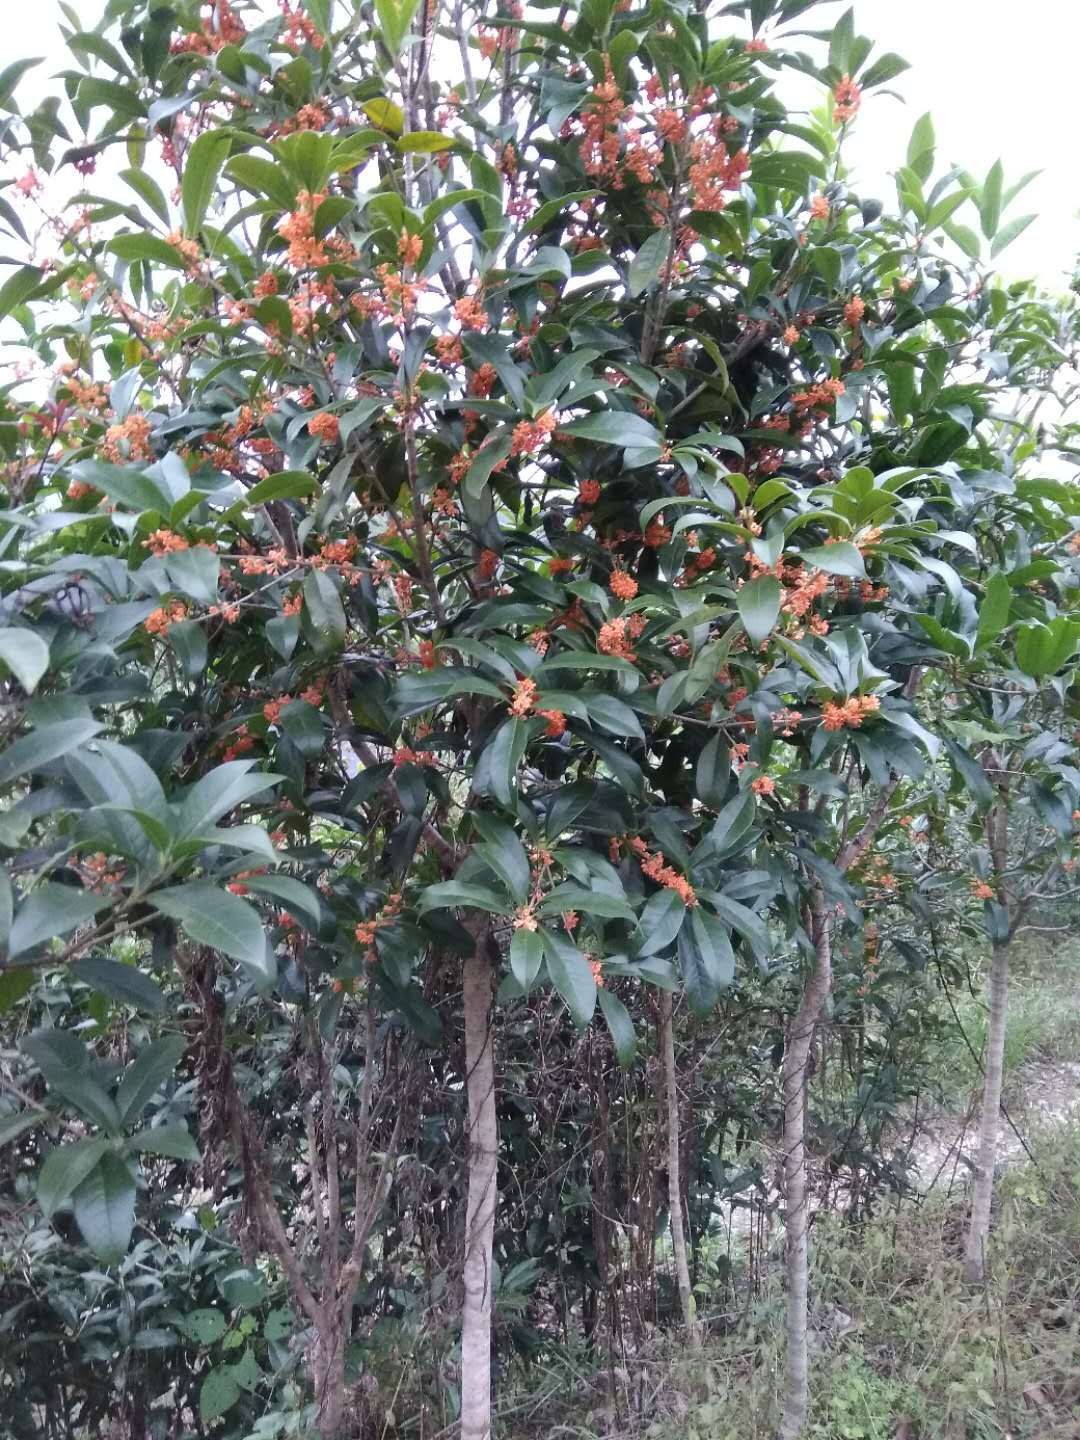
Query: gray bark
[480, 1206]
[678, 1234]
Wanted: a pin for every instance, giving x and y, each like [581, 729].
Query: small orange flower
[622, 585]
[524, 697]
[325, 427]
[763, 785]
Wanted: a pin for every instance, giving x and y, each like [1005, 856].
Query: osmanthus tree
[467, 540]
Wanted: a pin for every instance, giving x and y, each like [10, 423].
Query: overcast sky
[998, 77]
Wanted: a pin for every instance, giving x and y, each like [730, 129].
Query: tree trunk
[986, 1158]
[328, 1377]
[678, 1235]
[480, 1206]
[796, 1056]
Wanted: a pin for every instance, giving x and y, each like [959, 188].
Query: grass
[1044, 1017]
[903, 1350]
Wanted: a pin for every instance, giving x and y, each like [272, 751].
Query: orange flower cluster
[763, 785]
[403, 592]
[601, 118]
[616, 636]
[854, 311]
[164, 542]
[189, 249]
[365, 930]
[325, 427]
[530, 435]
[714, 171]
[653, 866]
[89, 396]
[79, 490]
[594, 967]
[271, 563]
[298, 30]
[819, 208]
[588, 491]
[622, 585]
[406, 755]
[470, 313]
[657, 534]
[159, 620]
[409, 247]
[305, 251]
[560, 565]
[524, 697]
[556, 723]
[847, 97]
[818, 397]
[221, 27]
[851, 714]
[130, 440]
[981, 890]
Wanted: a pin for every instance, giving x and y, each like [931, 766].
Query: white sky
[999, 79]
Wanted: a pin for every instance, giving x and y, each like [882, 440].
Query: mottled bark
[797, 1218]
[678, 1234]
[480, 1205]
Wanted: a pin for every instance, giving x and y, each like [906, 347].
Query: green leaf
[323, 611]
[395, 17]
[202, 165]
[920, 151]
[64, 1169]
[104, 1206]
[194, 573]
[205, 1325]
[972, 774]
[218, 1393]
[706, 959]
[424, 142]
[648, 262]
[173, 1141]
[143, 1078]
[994, 610]
[660, 921]
[147, 247]
[263, 177]
[526, 957]
[990, 205]
[385, 114]
[121, 982]
[43, 745]
[613, 427]
[285, 485]
[453, 893]
[1010, 232]
[12, 1126]
[569, 896]
[758, 604]
[613, 715]
[26, 655]
[18, 288]
[505, 854]
[620, 1025]
[213, 917]
[149, 191]
[843, 558]
[49, 911]
[220, 790]
[413, 692]
[503, 755]
[571, 976]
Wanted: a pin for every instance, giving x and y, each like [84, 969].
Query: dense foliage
[507, 558]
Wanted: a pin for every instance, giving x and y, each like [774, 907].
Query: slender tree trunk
[328, 1376]
[678, 1235]
[796, 1056]
[480, 1207]
[997, 834]
[986, 1157]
